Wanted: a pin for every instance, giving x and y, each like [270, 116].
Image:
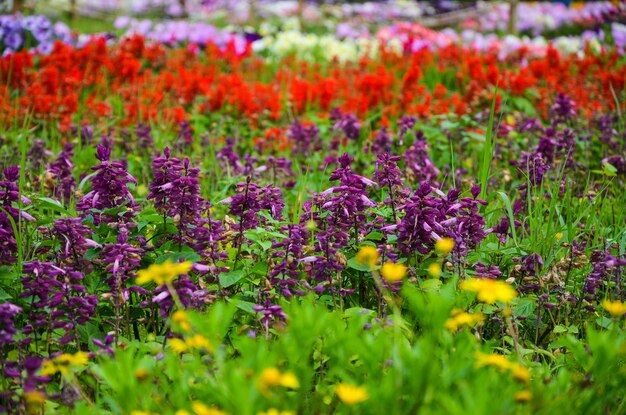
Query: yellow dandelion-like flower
[615, 308]
[63, 362]
[520, 373]
[496, 360]
[180, 317]
[136, 412]
[393, 272]
[351, 394]
[48, 368]
[367, 255]
[523, 396]
[163, 273]
[35, 401]
[181, 412]
[76, 359]
[198, 341]
[272, 377]
[289, 380]
[489, 291]
[444, 246]
[141, 374]
[463, 319]
[434, 270]
[201, 409]
[178, 345]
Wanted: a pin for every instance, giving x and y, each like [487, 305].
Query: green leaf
[243, 305]
[431, 284]
[232, 277]
[177, 256]
[48, 203]
[354, 264]
[374, 236]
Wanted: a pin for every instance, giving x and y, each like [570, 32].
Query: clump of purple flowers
[305, 138]
[348, 123]
[59, 175]
[58, 300]
[419, 167]
[10, 215]
[8, 312]
[109, 189]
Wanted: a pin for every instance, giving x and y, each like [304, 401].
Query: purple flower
[108, 190]
[563, 109]
[348, 123]
[229, 159]
[287, 254]
[270, 313]
[8, 312]
[305, 138]
[10, 215]
[59, 175]
[419, 167]
[144, 136]
[13, 40]
[57, 300]
[382, 142]
[389, 176]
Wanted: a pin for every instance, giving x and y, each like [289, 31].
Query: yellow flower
[615, 308]
[463, 319]
[367, 255]
[181, 412]
[444, 246]
[201, 409]
[393, 272]
[489, 291]
[434, 270]
[76, 359]
[163, 273]
[289, 380]
[493, 359]
[180, 317]
[350, 394]
[143, 413]
[520, 373]
[198, 341]
[141, 374]
[34, 401]
[178, 345]
[63, 362]
[558, 236]
[523, 396]
[271, 377]
[48, 368]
